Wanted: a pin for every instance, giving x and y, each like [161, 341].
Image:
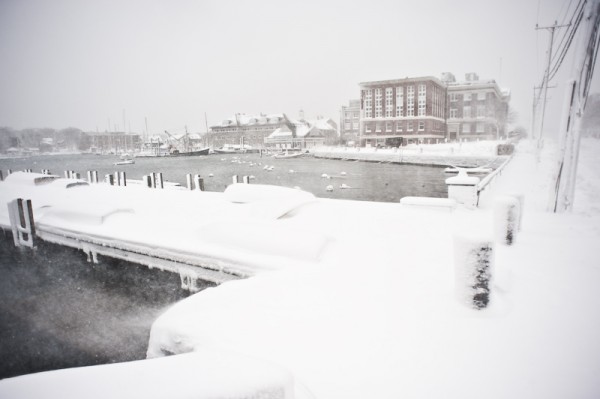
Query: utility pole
[546, 75]
[575, 101]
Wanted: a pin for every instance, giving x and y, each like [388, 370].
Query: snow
[371, 303]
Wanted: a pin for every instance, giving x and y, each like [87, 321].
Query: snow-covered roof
[249, 120]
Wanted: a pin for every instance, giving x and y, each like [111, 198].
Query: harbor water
[58, 311]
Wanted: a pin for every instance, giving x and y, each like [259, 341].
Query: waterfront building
[115, 142]
[401, 111]
[477, 109]
[246, 129]
[303, 134]
[349, 122]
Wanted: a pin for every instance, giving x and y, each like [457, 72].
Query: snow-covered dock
[354, 299]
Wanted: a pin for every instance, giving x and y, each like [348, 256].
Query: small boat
[125, 162]
[289, 155]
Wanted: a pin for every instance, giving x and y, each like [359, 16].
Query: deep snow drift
[376, 313]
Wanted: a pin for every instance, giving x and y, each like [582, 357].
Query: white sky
[82, 63]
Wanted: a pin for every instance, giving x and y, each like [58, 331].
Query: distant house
[300, 137]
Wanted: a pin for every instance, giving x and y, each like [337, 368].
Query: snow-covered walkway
[374, 313]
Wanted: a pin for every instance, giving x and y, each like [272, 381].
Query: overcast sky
[84, 63]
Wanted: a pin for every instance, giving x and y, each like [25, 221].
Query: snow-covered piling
[473, 262]
[1, 176]
[20, 214]
[463, 189]
[153, 180]
[120, 179]
[235, 179]
[92, 176]
[506, 219]
[199, 181]
[188, 181]
[109, 179]
[246, 179]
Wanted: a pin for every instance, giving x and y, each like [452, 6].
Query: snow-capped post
[110, 179]
[199, 181]
[147, 179]
[117, 179]
[1, 176]
[20, 214]
[92, 176]
[246, 179]
[66, 174]
[506, 219]
[158, 180]
[188, 179]
[8, 172]
[235, 179]
[463, 189]
[473, 262]
[521, 198]
[123, 179]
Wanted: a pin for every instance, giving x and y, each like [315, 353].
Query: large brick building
[249, 129]
[400, 111]
[426, 109]
[476, 108]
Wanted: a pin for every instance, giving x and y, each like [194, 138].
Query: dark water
[369, 181]
[57, 310]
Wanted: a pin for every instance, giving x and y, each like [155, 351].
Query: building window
[422, 100]
[453, 113]
[467, 97]
[389, 102]
[466, 112]
[480, 128]
[348, 126]
[355, 115]
[378, 128]
[368, 103]
[453, 97]
[421, 126]
[399, 101]
[410, 101]
[378, 103]
[466, 128]
[409, 126]
[481, 111]
[355, 125]
[481, 95]
[368, 128]
[388, 126]
[398, 126]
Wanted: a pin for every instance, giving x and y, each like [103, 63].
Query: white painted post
[246, 179]
[117, 178]
[123, 179]
[463, 189]
[110, 179]
[506, 219]
[235, 179]
[20, 214]
[473, 267]
[188, 179]
[159, 180]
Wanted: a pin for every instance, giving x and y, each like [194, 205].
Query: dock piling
[473, 262]
[20, 213]
[199, 181]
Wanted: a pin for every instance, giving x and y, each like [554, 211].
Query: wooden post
[236, 179]
[199, 182]
[117, 179]
[506, 219]
[110, 179]
[20, 213]
[159, 180]
[246, 179]
[473, 262]
[1, 176]
[123, 179]
[188, 179]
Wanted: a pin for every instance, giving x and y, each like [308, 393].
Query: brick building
[249, 129]
[477, 109]
[350, 122]
[400, 111]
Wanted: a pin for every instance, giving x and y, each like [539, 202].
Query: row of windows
[481, 95]
[467, 112]
[479, 128]
[349, 115]
[389, 127]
